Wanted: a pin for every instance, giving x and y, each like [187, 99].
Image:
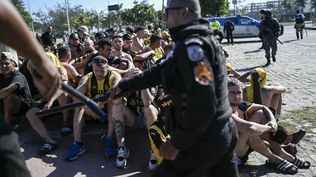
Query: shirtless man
[256, 124]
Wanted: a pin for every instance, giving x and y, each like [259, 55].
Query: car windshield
[245, 21]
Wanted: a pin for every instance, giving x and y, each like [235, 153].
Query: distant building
[276, 6]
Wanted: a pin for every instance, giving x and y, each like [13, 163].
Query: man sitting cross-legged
[94, 85]
[256, 124]
[139, 112]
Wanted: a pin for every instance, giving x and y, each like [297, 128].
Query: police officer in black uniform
[202, 133]
[269, 29]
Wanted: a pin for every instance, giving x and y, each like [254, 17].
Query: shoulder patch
[203, 74]
[195, 53]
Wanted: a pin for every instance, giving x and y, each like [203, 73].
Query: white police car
[244, 26]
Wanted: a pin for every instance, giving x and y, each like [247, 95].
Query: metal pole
[32, 24]
[67, 13]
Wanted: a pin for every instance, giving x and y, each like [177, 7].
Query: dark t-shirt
[47, 39]
[23, 90]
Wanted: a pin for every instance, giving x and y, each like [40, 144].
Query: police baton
[84, 100]
[278, 40]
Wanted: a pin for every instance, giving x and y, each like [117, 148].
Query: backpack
[299, 18]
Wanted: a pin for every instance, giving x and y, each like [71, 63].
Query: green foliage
[288, 5]
[214, 8]
[300, 3]
[140, 14]
[22, 10]
[313, 4]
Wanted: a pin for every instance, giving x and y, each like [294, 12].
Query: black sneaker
[273, 59]
[48, 147]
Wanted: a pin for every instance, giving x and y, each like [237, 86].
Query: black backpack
[299, 18]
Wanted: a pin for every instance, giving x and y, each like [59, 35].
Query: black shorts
[23, 109]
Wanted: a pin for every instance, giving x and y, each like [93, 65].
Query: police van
[244, 26]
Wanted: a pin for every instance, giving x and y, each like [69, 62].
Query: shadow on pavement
[93, 162]
[251, 68]
[289, 41]
[253, 51]
[256, 170]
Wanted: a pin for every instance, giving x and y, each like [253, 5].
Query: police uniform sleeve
[198, 98]
[149, 78]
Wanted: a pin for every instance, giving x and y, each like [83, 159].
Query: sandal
[301, 163]
[48, 148]
[284, 166]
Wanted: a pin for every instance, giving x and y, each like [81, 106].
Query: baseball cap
[84, 29]
[73, 36]
[100, 61]
[8, 55]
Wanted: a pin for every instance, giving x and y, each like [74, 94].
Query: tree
[214, 8]
[288, 5]
[300, 3]
[313, 4]
[141, 14]
[24, 13]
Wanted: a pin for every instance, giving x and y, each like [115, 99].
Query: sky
[100, 5]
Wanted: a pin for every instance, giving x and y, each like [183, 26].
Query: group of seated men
[96, 64]
[92, 65]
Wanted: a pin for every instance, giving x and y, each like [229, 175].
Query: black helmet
[262, 11]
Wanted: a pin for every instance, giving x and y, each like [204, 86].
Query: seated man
[271, 94]
[64, 56]
[256, 126]
[139, 112]
[15, 95]
[37, 124]
[94, 85]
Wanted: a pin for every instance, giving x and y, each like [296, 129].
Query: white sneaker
[122, 155]
[153, 163]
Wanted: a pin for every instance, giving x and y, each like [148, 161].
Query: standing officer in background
[12, 163]
[299, 24]
[229, 27]
[202, 134]
[269, 29]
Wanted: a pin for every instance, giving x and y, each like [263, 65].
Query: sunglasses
[168, 9]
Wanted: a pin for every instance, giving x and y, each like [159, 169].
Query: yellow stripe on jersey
[55, 60]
